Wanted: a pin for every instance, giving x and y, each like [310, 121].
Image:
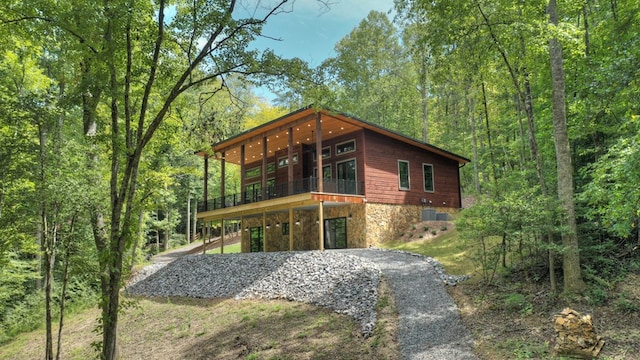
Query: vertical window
[284, 161]
[253, 192]
[346, 179]
[403, 175]
[256, 239]
[326, 172]
[335, 233]
[427, 174]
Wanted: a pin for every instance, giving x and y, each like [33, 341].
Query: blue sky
[310, 33]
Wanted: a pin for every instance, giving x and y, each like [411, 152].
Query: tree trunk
[488, 130]
[65, 282]
[195, 218]
[188, 222]
[165, 245]
[573, 282]
[476, 178]
[138, 239]
[424, 100]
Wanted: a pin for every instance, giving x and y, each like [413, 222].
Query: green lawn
[228, 249]
[449, 249]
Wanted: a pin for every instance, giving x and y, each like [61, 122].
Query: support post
[242, 194]
[264, 231]
[290, 159]
[222, 177]
[222, 236]
[291, 227]
[264, 168]
[206, 183]
[319, 152]
[321, 225]
[204, 236]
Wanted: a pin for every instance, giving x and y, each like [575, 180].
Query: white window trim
[345, 142]
[400, 187]
[315, 158]
[433, 179]
[295, 160]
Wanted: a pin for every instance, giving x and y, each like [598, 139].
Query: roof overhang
[302, 124]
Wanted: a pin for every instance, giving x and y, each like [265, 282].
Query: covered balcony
[275, 191]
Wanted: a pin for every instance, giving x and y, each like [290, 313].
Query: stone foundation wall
[305, 234]
[386, 222]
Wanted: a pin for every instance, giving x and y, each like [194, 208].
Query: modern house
[318, 179]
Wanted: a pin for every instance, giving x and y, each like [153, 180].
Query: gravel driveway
[429, 326]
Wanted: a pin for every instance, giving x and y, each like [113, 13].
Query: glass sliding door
[256, 239]
[346, 177]
[335, 233]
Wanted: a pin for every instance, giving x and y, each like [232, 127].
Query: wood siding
[377, 166]
[381, 174]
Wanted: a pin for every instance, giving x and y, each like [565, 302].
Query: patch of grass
[228, 249]
[523, 349]
[625, 304]
[179, 328]
[448, 248]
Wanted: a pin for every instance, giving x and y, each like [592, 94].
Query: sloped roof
[303, 124]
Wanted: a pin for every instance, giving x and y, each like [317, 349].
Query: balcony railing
[300, 186]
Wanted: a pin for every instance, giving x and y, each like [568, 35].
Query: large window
[256, 239]
[284, 161]
[253, 172]
[335, 233]
[326, 153]
[427, 174]
[345, 147]
[326, 172]
[403, 175]
[253, 192]
[346, 179]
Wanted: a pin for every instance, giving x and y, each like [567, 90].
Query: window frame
[325, 149]
[315, 172]
[346, 142]
[256, 169]
[433, 181]
[355, 180]
[330, 225]
[283, 161]
[408, 187]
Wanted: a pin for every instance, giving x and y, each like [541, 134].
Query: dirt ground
[512, 321]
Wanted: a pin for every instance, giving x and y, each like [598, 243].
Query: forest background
[103, 104]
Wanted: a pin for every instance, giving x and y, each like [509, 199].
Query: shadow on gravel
[208, 276]
[343, 283]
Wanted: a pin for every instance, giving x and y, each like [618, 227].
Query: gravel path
[429, 326]
[343, 280]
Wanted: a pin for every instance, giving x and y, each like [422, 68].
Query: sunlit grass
[449, 249]
[228, 249]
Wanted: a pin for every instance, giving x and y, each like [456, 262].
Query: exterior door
[256, 239]
[335, 233]
[346, 177]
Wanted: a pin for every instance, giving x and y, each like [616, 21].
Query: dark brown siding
[381, 174]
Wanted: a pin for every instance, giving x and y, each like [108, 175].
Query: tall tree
[120, 44]
[573, 282]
